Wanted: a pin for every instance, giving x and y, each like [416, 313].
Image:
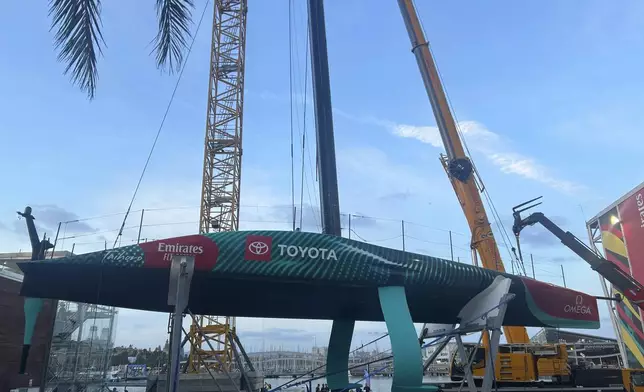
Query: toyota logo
[258, 248]
[579, 300]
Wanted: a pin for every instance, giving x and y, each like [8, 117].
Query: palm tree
[79, 40]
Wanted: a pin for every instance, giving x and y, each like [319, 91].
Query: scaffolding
[81, 346]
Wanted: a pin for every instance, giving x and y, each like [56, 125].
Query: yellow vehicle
[519, 363]
[633, 380]
[540, 365]
[462, 175]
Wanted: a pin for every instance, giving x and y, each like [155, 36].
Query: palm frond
[78, 39]
[171, 41]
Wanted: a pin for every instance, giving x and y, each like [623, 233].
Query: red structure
[618, 230]
[11, 337]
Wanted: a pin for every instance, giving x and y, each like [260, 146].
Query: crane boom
[621, 280]
[458, 165]
[212, 336]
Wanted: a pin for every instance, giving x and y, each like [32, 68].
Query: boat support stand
[181, 271]
[483, 313]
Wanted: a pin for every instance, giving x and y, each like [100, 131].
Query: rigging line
[313, 168]
[358, 235]
[301, 133]
[427, 227]
[368, 343]
[305, 146]
[64, 234]
[99, 242]
[359, 216]
[96, 217]
[165, 115]
[306, 85]
[497, 220]
[504, 234]
[308, 191]
[290, 86]
[310, 372]
[295, 47]
[431, 242]
[177, 208]
[378, 240]
[95, 233]
[351, 367]
[258, 206]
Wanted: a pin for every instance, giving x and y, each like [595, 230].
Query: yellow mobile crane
[457, 164]
[518, 361]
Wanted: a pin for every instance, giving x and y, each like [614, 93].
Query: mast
[329, 199]
[342, 330]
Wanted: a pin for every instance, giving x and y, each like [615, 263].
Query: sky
[547, 95]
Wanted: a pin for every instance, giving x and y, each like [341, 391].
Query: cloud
[360, 220]
[495, 149]
[271, 96]
[19, 227]
[537, 235]
[381, 175]
[49, 215]
[565, 259]
[396, 196]
[47, 219]
[480, 139]
[307, 217]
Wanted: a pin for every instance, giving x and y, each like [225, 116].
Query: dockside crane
[458, 165]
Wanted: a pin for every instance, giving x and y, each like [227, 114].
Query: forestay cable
[290, 86]
[165, 115]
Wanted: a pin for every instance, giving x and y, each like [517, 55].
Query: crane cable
[306, 85]
[290, 86]
[165, 115]
[301, 129]
[488, 198]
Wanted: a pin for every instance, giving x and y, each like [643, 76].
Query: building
[13, 325]
[444, 356]
[72, 342]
